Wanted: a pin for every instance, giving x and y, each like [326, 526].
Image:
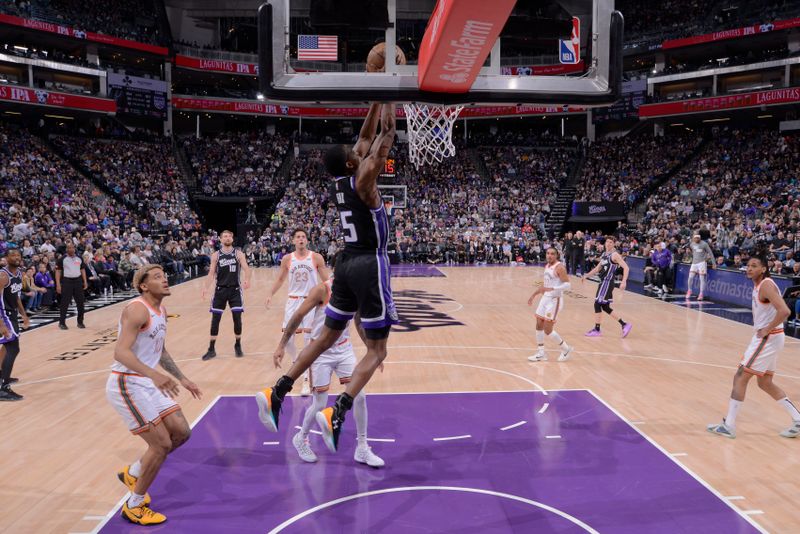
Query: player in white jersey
[143, 396]
[304, 269]
[761, 357]
[556, 281]
[701, 253]
[339, 359]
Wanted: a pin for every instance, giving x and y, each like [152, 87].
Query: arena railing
[223, 55]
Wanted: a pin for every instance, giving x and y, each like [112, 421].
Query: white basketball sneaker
[305, 389]
[364, 455]
[722, 429]
[304, 448]
[793, 431]
[565, 352]
[540, 356]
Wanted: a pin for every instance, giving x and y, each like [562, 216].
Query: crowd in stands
[230, 164]
[455, 213]
[622, 169]
[671, 19]
[142, 174]
[740, 193]
[128, 19]
[46, 204]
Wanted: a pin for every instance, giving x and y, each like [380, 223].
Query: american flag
[317, 47]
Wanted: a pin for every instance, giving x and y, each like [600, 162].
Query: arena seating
[236, 163]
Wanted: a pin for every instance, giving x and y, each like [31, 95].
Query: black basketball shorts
[227, 296]
[362, 284]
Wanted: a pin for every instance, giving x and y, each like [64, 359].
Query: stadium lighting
[260, 96]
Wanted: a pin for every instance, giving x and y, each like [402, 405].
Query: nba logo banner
[569, 51]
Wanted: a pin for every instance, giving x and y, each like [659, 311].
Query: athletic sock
[702, 283]
[360, 415]
[238, 343]
[597, 326]
[211, 344]
[791, 408]
[622, 323]
[733, 409]
[540, 339]
[555, 337]
[283, 386]
[135, 500]
[135, 469]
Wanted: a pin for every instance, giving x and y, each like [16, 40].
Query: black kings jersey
[228, 269]
[11, 293]
[365, 230]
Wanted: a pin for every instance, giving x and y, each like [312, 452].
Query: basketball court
[613, 440]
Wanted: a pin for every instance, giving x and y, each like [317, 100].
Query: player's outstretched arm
[617, 257]
[368, 130]
[371, 166]
[315, 297]
[212, 273]
[248, 272]
[133, 319]
[771, 293]
[276, 285]
[169, 365]
[322, 269]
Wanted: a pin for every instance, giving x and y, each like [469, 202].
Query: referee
[71, 283]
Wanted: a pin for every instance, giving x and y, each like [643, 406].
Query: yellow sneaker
[129, 480]
[142, 515]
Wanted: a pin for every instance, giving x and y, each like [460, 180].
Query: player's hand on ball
[166, 385]
[277, 357]
[192, 388]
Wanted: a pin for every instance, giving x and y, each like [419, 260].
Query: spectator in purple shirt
[662, 260]
[45, 280]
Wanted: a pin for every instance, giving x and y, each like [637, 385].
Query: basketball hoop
[430, 132]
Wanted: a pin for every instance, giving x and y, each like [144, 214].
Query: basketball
[377, 57]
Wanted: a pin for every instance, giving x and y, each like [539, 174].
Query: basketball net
[430, 132]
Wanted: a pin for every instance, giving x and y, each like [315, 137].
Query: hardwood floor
[470, 330]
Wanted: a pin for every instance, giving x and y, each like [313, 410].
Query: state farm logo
[458, 77]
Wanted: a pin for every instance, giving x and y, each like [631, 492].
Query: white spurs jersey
[551, 279]
[302, 275]
[343, 343]
[763, 312]
[150, 340]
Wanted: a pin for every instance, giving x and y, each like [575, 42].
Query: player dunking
[305, 269]
[701, 253]
[610, 261]
[225, 273]
[144, 396]
[361, 284]
[761, 357]
[339, 359]
[11, 309]
[556, 281]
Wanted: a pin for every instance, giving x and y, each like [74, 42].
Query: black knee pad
[335, 324]
[597, 307]
[607, 308]
[215, 319]
[377, 333]
[237, 323]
